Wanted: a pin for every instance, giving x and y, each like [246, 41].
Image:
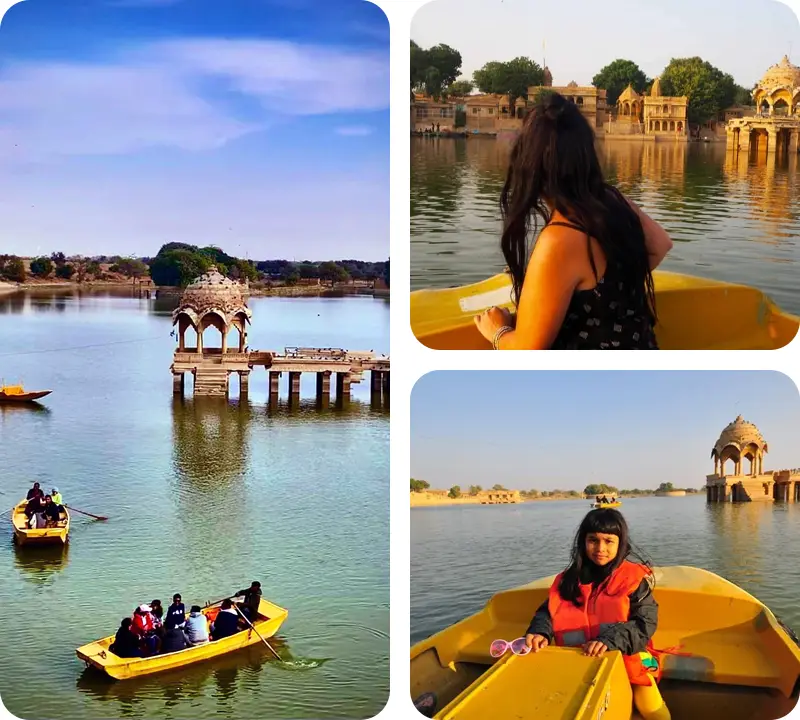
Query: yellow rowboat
[740, 662]
[607, 505]
[96, 654]
[694, 314]
[23, 535]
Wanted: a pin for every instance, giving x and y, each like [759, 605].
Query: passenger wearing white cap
[143, 624]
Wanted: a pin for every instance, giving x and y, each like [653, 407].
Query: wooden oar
[83, 512]
[253, 627]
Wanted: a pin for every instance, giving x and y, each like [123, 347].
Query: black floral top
[609, 316]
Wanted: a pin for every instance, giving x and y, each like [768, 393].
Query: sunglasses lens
[518, 647]
[497, 648]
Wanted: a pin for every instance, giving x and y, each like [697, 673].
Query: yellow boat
[607, 505]
[17, 394]
[694, 314]
[23, 535]
[97, 654]
[740, 662]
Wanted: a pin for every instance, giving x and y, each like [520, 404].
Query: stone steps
[211, 381]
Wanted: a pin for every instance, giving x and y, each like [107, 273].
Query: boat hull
[97, 654]
[23, 397]
[607, 505]
[24, 536]
[739, 663]
[694, 314]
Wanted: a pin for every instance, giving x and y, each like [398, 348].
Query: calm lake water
[732, 217]
[203, 497]
[461, 556]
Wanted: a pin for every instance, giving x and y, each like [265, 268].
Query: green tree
[14, 269]
[742, 96]
[434, 69]
[65, 271]
[419, 485]
[460, 88]
[41, 267]
[93, 268]
[455, 492]
[616, 76]
[292, 278]
[511, 78]
[177, 268]
[474, 489]
[130, 267]
[498, 486]
[599, 489]
[666, 487]
[58, 258]
[333, 272]
[709, 89]
[386, 275]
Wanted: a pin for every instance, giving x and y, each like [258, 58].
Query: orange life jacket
[574, 626]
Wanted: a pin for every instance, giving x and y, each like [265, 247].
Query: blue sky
[581, 36]
[260, 126]
[549, 430]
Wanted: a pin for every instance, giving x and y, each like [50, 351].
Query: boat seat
[727, 659]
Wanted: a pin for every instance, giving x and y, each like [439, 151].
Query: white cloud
[152, 96]
[354, 131]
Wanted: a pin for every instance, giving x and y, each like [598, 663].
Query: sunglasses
[499, 647]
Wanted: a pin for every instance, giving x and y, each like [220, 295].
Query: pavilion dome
[740, 434]
[655, 91]
[782, 75]
[212, 292]
[548, 77]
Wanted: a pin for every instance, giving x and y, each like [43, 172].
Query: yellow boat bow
[694, 314]
[738, 661]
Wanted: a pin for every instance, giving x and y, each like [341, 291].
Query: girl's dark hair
[608, 522]
[554, 161]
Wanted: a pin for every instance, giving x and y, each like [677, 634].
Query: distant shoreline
[430, 502]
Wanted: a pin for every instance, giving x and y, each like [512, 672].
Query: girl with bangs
[587, 284]
[604, 601]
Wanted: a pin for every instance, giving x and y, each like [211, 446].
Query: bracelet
[500, 332]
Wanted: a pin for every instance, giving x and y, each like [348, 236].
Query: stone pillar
[294, 385]
[200, 342]
[772, 141]
[274, 387]
[794, 142]
[730, 139]
[744, 140]
[181, 337]
[244, 383]
[385, 388]
[178, 384]
[716, 466]
[342, 388]
[375, 387]
[324, 388]
[224, 341]
[708, 494]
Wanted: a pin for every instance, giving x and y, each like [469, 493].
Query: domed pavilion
[741, 441]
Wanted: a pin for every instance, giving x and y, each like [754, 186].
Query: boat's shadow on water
[231, 673]
[40, 566]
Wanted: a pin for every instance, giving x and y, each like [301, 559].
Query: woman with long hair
[604, 601]
[587, 284]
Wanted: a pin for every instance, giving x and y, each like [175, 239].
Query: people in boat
[144, 624]
[126, 642]
[35, 491]
[604, 601]
[173, 640]
[227, 621]
[252, 599]
[51, 511]
[196, 627]
[587, 283]
[176, 613]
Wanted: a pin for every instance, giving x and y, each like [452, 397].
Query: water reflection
[734, 217]
[40, 566]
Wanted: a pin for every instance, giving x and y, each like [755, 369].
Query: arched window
[672, 125]
[680, 127]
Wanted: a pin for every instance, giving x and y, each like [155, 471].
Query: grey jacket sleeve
[632, 637]
[542, 623]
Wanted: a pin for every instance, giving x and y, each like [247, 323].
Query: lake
[732, 218]
[461, 556]
[203, 496]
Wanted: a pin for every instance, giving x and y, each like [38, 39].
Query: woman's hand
[536, 642]
[594, 649]
[491, 320]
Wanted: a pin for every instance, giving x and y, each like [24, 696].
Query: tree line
[435, 71]
[177, 264]
[589, 491]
